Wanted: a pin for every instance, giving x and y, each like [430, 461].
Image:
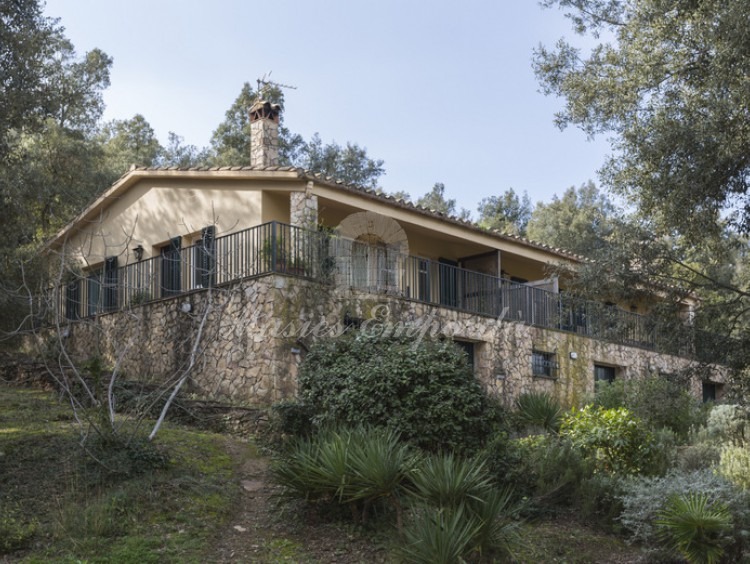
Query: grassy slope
[56, 506]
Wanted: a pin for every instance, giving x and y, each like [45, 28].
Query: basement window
[711, 391]
[543, 364]
[604, 374]
[469, 349]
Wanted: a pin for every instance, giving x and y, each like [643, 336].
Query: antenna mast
[265, 82]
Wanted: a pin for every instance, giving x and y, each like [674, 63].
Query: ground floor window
[711, 391]
[544, 364]
[604, 373]
[469, 348]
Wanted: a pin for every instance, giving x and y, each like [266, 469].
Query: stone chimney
[264, 134]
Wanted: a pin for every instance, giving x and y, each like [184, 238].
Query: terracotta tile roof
[305, 174]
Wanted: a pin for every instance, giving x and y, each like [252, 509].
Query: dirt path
[259, 530]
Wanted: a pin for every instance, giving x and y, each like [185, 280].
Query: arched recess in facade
[376, 247]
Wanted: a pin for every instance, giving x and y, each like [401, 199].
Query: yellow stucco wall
[150, 213]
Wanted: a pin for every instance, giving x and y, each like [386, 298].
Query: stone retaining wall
[243, 343]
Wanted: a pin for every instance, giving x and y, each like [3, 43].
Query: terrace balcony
[278, 248]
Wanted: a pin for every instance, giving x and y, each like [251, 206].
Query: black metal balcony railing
[279, 248]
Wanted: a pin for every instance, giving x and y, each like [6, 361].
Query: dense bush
[550, 469]
[660, 402]
[727, 424]
[734, 465]
[615, 440]
[644, 497]
[425, 390]
[697, 456]
[287, 421]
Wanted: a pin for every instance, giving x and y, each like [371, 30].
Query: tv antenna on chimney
[264, 83]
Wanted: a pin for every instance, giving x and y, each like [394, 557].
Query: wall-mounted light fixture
[138, 252]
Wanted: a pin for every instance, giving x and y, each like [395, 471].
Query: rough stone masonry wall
[253, 335]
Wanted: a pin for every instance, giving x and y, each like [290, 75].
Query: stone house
[230, 273]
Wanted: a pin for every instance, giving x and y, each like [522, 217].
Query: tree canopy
[580, 221]
[668, 82]
[507, 213]
[50, 103]
[230, 145]
[435, 200]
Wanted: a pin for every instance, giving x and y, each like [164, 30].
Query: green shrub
[734, 465]
[457, 511]
[554, 468]
[446, 480]
[598, 500]
[695, 528]
[659, 401]
[697, 456]
[435, 536]
[425, 390]
[354, 467]
[728, 424]
[502, 455]
[551, 474]
[644, 497]
[615, 440]
[287, 420]
[539, 411]
[663, 451]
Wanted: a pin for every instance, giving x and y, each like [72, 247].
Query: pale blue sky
[441, 91]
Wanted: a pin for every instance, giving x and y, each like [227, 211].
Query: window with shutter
[205, 258]
[171, 268]
[110, 284]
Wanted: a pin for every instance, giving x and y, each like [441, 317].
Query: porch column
[303, 213]
[303, 208]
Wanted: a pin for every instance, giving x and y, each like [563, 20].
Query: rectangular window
[604, 373]
[544, 364]
[711, 391]
[469, 348]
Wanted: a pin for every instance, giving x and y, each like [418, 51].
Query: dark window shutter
[93, 292]
[73, 300]
[171, 272]
[448, 277]
[205, 263]
[110, 283]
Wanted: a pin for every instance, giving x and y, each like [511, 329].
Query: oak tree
[668, 82]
